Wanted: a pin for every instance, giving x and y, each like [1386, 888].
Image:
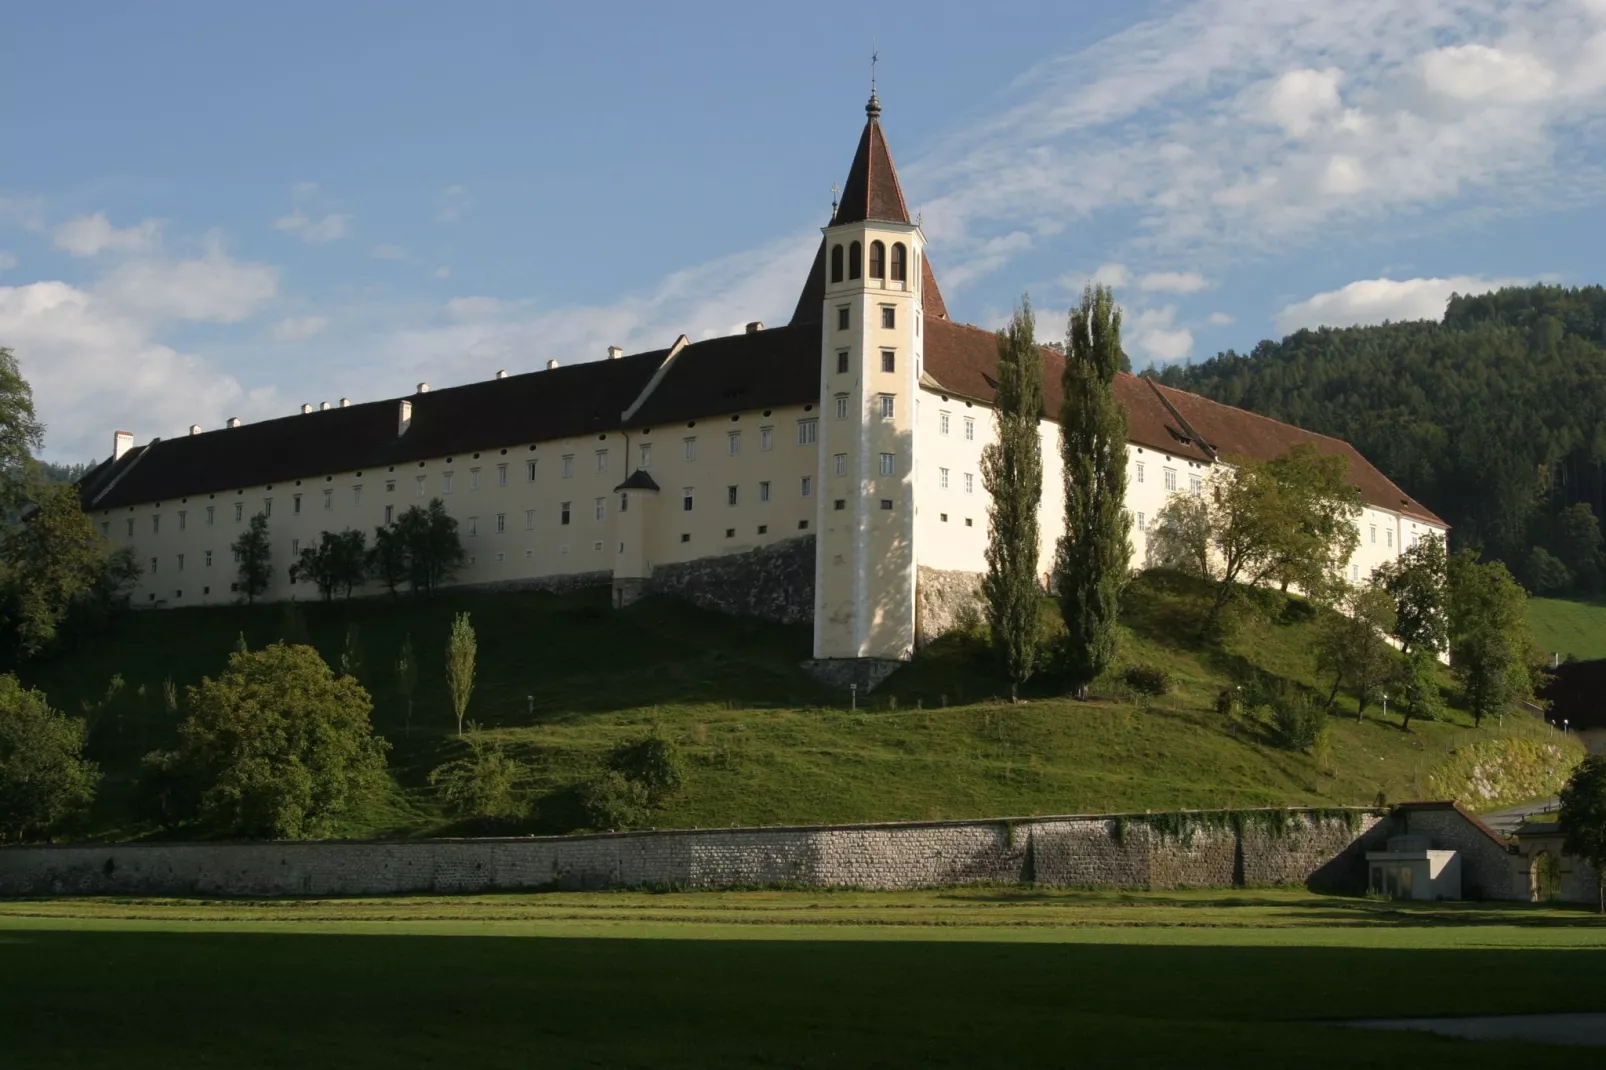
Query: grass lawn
[958, 977]
[1564, 626]
[564, 678]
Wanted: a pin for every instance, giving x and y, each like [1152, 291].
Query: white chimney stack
[551, 364]
[305, 409]
[345, 403]
[423, 388]
[614, 352]
[404, 418]
[195, 429]
[755, 327]
[234, 421]
[122, 442]
[323, 406]
[501, 373]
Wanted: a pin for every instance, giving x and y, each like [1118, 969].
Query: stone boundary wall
[774, 582]
[1488, 867]
[943, 599]
[1108, 851]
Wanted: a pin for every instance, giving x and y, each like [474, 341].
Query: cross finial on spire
[835, 189]
[873, 109]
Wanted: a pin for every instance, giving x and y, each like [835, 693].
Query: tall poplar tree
[1012, 472]
[1095, 553]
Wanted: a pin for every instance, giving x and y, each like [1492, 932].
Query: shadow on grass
[299, 998]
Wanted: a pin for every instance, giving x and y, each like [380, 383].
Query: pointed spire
[872, 190]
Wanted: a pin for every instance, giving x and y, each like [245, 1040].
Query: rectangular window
[970, 482]
[501, 475]
[568, 466]
[889, 317]
[624, 503]
[842, 362]
[764, 491]
[730, 495]
[267, 506]
[156, 523]
[529, 520]
[808, 432]
[942, 478]
[239, 512]
[733, 442]
[887, 462]
[153, 566]
[130, 527]
[840, 504]
[356, 494]
[295, 547]
[473, 525]
[602, 460]
[841, 461]
[807, 487]
[689, 448]
[766, 438]
[843, 320]
[563, 513]
[328, 499]
[1170, 478]
[181, 562]
[686, 497]
[529, 471]
[645, 454]
[841, 406]
[1143, 522]
[943, 420]
[446, 482]
[206, 558]
[599, 509]
[1374, 534]
[390, 486]
[1354, 573]
[1195, 485]
[886, 503]
[418, 482]
[501, 523]
[970, 429]
[390, 513]
[1138, 472]
[886, 406]
[473, 479]
[183, 519]
[1388, 535]
[211, 515]
[295, 504]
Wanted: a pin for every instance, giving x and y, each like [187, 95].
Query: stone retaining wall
[1066, 851]
[774, 582]
[944, 600]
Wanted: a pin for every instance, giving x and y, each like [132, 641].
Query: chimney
[551, 364]
[122, 442]
[614, 352]
[345, 403]
[501, 373]
[323, 406]
[234, 421]
[423, 388]
[404, 418]
[305, 409]
[755, 327]
[195, 429]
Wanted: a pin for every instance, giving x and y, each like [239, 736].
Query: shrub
[481, 784]
[653, 762]
[1297, 720]
[614, 801]
[1147, 681]
[44, 780]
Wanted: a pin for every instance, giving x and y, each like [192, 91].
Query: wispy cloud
[452, 204]
[1377, 300]
[299, 328]
[308, 221]
[92, 235]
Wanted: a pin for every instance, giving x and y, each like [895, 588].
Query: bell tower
[871, 266]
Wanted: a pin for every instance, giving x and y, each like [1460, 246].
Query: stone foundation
[841, 674]
[945, 601]
[773, 583]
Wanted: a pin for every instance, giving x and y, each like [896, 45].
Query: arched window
[836, 263]
[878, 260]
[900, 260]
[855, 259]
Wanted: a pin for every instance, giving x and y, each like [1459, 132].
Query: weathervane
[875, 57]
[835, 189]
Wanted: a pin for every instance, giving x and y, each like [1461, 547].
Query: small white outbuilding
[1410, 868]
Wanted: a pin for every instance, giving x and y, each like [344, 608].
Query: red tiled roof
[872, 190]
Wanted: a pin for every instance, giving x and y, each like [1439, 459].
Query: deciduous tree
[50, 561]
[21, 434]
[1351, 645]
[1582, 818]
[44, 780]
[1491, 648]
[1094, 557]
[253, 554]
[1012, 473]
[1418, 580]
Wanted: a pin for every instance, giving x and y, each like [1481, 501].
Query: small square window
[889, 317]
[840, 504]
[943, 517]
[886, 503]
[763, 529]
[843, 318]
[802, 525]
[685, 536]
[969, 523]
[889, 361]
[730, 533]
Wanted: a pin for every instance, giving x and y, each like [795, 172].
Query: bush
[614, 801]
[44, 780]
[653, 762]
[1148, 681]
[1297, 720]
[481, 784]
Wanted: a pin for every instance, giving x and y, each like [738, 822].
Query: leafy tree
[1418, 580]
[253, 551]
[1350, 645]
[1582, 818]
[44, 780]
[655, 762]
[482, 784]
[1012, 472]
[433, 549]
[51, 561]
[1543, 572]
[1490, 644]
[1420, 698]
[407, 680]
[278, 747]
[21, 433]
[387, 558]
[1095, 554]
[338, 563]
[1577, 541]
[461, 649]
[1324, 535]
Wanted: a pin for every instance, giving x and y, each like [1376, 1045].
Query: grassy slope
[1566, 627]
[562, 679]
[960, 977]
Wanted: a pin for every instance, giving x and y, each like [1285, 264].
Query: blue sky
[214, 210]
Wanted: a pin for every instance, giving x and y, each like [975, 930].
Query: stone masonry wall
[1064, 851]
[772, 583]
[1488, 867]
[944, 598]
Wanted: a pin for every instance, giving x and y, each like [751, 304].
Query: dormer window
[878, 260]
[855, 261]
[836, 263]
[900, 262]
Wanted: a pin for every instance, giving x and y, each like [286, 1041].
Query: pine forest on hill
[1495, 418]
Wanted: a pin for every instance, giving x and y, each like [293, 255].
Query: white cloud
[388, 252]
[8, 260]
[1375, 300]
[91, 235]
[315, 232]
[443, 272]
[1220, 319]
[452, 204]
[1111, 275]
[1301, 100]
[1155, 332]
[299, 328]
[212, 288]
[1478, 72]
[1177, 282]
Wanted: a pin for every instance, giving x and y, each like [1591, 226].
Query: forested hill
[1494, 418]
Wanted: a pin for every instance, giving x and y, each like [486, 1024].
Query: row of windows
[1169, 476]
[889, 317]
[889, 360]
[945, 423]
[878, 261]
[733, 494]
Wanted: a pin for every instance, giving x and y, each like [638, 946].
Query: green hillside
[1566, 627]
[565, 678]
